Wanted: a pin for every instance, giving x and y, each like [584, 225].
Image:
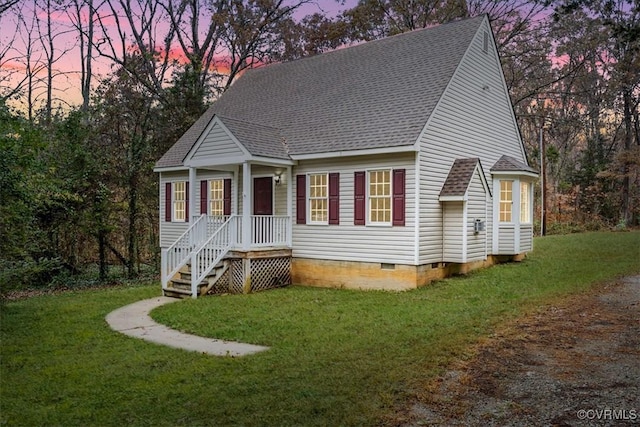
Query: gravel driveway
[576, 364]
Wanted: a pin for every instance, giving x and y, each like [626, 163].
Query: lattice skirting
[253, 275]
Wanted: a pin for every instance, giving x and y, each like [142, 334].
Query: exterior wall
[454, 229]
[474, 118]
[347, 242]
[526, 237]
[217, 144]
[171, 231]
[477, 207]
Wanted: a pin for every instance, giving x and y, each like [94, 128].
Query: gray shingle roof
[372, 95]
[259, 140]
[459, 177]
[509, 164]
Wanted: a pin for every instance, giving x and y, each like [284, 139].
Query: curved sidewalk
[134, 320]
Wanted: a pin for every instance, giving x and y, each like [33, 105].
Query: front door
[263, 196]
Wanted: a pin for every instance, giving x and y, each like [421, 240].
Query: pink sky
[67, 82]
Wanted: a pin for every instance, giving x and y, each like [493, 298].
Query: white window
[506, 200]
[216, 197]
[319, 198]
[525, 203]
[179, 198]
[379, 197]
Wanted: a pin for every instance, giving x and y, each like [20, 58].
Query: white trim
[463, 198]
[416, 209]
[515, 174]
[308, 198]
[196, 146]
[171, 169]
[464, 231]
[349, 153]
[217, 162]
[368, 222]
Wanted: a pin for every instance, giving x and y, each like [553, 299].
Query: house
[379, 166]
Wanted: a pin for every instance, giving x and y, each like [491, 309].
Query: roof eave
[363, 152]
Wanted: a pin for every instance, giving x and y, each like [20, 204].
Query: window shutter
[186, 202]
[359, 191]
[334, 198]
[398, 196]
[168, 208]
[227, 197]
[204, 197]
[301, 199]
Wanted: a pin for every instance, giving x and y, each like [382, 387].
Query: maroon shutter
[359, 190]
[204, 197]
[301, 199]
[334, 198]
[398, 196]
[167, 202]
[186, 202]
[227, 197]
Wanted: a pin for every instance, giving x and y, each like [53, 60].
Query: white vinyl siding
[217, 144]
[348, 242]
[454, 230]
[171, 231]
[474, 118]
[476, 209]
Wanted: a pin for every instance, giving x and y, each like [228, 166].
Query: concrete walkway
[134, 320]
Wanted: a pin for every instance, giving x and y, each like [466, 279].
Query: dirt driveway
[576, 364]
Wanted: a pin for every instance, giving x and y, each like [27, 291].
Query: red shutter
[204, 197]
[167, 202]
[334, 198]
[186, 202]
[301, 199]
[227, 197]
[359, 190]
[398, 196]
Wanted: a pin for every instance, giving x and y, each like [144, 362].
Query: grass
[338, 357]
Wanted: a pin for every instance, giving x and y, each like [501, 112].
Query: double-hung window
[506, 200]
[379, 197]
[525, 203]
[319, 198]
[179, 198]
[216, 197]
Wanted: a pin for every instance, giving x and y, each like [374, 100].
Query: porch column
[246, 206]
[192, 194]
[289, 181]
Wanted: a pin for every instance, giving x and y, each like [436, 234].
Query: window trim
[308, 200]
[175, 201]
[502, 201]
[210, 198]
[525, 203]
[369, 198]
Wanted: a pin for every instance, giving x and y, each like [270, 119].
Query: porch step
[180, 286]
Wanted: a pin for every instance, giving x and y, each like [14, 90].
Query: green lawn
[337, 357]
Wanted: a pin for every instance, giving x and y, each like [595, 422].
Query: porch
[228, 254]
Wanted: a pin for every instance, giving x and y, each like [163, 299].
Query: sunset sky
[14, 41]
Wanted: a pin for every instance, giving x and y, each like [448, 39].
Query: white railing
[269, 230]
[204, 259]
[178, 254]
